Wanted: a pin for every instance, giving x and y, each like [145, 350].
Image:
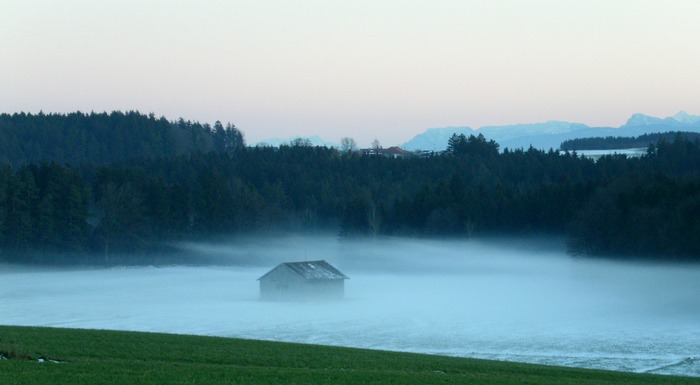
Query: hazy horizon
[369, 70]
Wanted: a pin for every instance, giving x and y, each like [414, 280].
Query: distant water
[517, 302]
[597, 154]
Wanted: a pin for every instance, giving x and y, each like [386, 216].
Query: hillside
[41, 356]
[102, 138]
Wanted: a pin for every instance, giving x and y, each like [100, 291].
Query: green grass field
[109, 357]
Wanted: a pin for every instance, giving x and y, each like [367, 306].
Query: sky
[365, 69]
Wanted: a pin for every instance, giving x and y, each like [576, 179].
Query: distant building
[300, 281]
[391, 152]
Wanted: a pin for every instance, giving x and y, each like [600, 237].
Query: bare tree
[374, 219]
[300, 142]
[348, 145]
[376, 146]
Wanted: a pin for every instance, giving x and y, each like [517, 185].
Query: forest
[85, 188]
[101, 138]
[621, 142]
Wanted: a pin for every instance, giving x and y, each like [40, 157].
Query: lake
[516, 300]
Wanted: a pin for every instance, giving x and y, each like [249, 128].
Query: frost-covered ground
[516, 302]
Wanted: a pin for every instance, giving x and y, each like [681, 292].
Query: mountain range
[551, 134]
[538, 135]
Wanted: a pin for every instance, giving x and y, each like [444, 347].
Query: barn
[301, 281]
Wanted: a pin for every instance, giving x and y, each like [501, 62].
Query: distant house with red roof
[391, 152]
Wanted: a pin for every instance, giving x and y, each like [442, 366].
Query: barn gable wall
[283, 284]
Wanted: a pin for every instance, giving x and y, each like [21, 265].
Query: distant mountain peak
[435, 139]
[685, 118]
[550, 134]
[642, 120]
[682, 118]
[500, 133]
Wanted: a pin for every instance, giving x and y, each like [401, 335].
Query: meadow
[79, 356]
[505, 300]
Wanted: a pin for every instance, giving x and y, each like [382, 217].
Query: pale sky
[373, 69]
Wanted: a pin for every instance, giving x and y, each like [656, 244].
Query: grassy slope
[108, 357]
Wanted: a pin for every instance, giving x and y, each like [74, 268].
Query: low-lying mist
[514, 299]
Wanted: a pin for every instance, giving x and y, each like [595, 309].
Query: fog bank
[503, 299]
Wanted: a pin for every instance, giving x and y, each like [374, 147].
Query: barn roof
[312, 270]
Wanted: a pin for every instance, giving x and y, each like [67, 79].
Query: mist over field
[509, 299]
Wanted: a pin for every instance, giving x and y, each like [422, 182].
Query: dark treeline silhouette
[620, 142]
[653, 210]
[616, 206]
[101, 138]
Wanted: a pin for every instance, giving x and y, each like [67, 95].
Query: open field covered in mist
[501, 299]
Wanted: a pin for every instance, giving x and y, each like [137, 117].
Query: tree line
[621, 142]
[101, 138]
[616, 206]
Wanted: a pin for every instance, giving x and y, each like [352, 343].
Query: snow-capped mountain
[551, 134]
[435, 139]
[504, 133]
[684, 118]
[512, 136]
[643, 120]
[680, 119]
